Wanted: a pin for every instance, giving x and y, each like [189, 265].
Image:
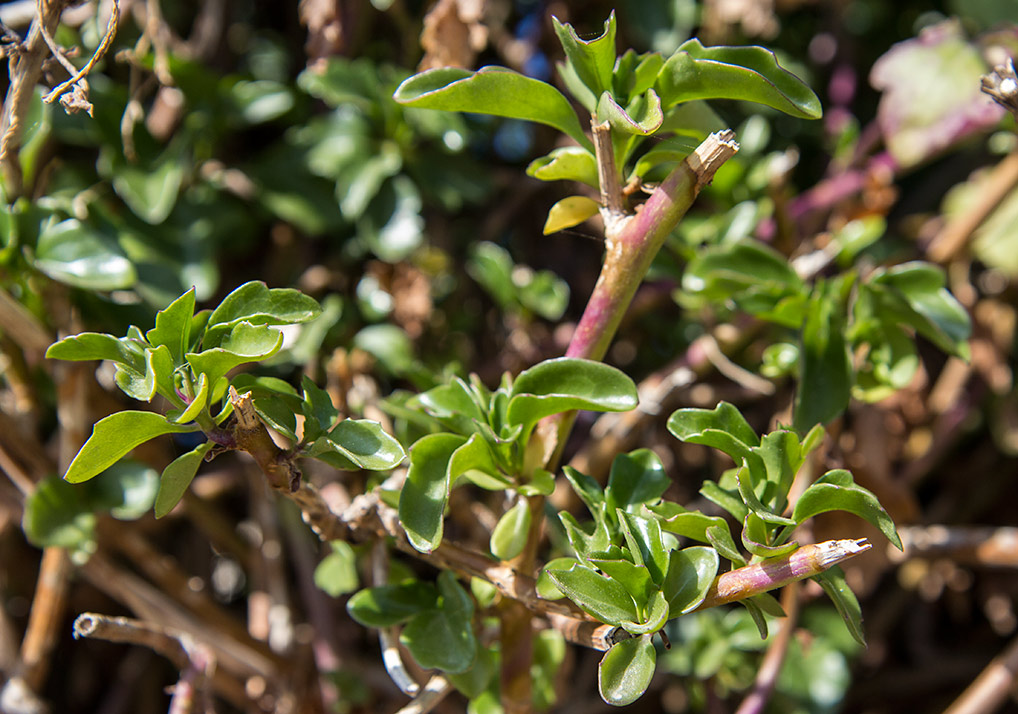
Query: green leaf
[444, 638]
[825, 367]
[492, 90]
[626, 669]
[564, 384]
[782, 455]
[634, 578]
[242, 344]
[837, 589]
[566, 163]
[318, 410]
[721, 538]
[757, 539]
[749, 497]
[931, 309]
[634, 74]
[424, 495]
[546, 588]
[74, 253]
[600, 596]
[173, 326]
[127, 490]
[454, 403]
[636, 478]
[387, 605]
[58, 514]
[150, 190]
[592, 60]
[728, 499]
[643, 536]
[114, 437]
[654, 616]
[691, 524]
[747, 73]
[475, 462]
[568, 212]
[198, 403]
[177, 476]
[585, 541]
[98, 346]
[510, 534]
[588, 490]
[722, 428]
[257, 304]
[336, 574]
[691, 571]
[837, 491]
[751, 273]
[358, 444]
[642, 117]
[475, 680]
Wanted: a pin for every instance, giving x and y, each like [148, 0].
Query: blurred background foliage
[233, 141]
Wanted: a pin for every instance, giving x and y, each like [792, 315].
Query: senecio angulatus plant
[637, 560]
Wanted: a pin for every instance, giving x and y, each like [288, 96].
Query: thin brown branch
[46, 618]
[100, 51]
[176, 645]
[959, 230]
[25, 69]
[981, 546]
[992, 687]
[194, 660]
[433, 692]
[608, 177]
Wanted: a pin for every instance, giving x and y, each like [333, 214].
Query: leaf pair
[494, 429]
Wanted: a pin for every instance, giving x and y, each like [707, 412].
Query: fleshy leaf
[424, 495]
[655, 615]
[642, 117]
[572, 163]
[626, 669]
[564, 384]
[336, 574]
[358, 444]
[387, 605]
[634, 578]
[243, 343]
[115, 437]
[691, 572]
[177, 476]
[444, 638]
[837, 491]
[173, 326]
[74, 253]
[722, 428]
[95, 346]
[825, 366]
[600, 596]
[837, 589]
[747, 73]
[568, 212]
[932, 310]
[510, 533]
[492, 90]
[636, 478]
[257, 304]
[592, 60]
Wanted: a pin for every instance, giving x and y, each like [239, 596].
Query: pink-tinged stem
[632, 245]
[773, 573]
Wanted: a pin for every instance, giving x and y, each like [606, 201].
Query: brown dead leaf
[453, 34]
[324, 20]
